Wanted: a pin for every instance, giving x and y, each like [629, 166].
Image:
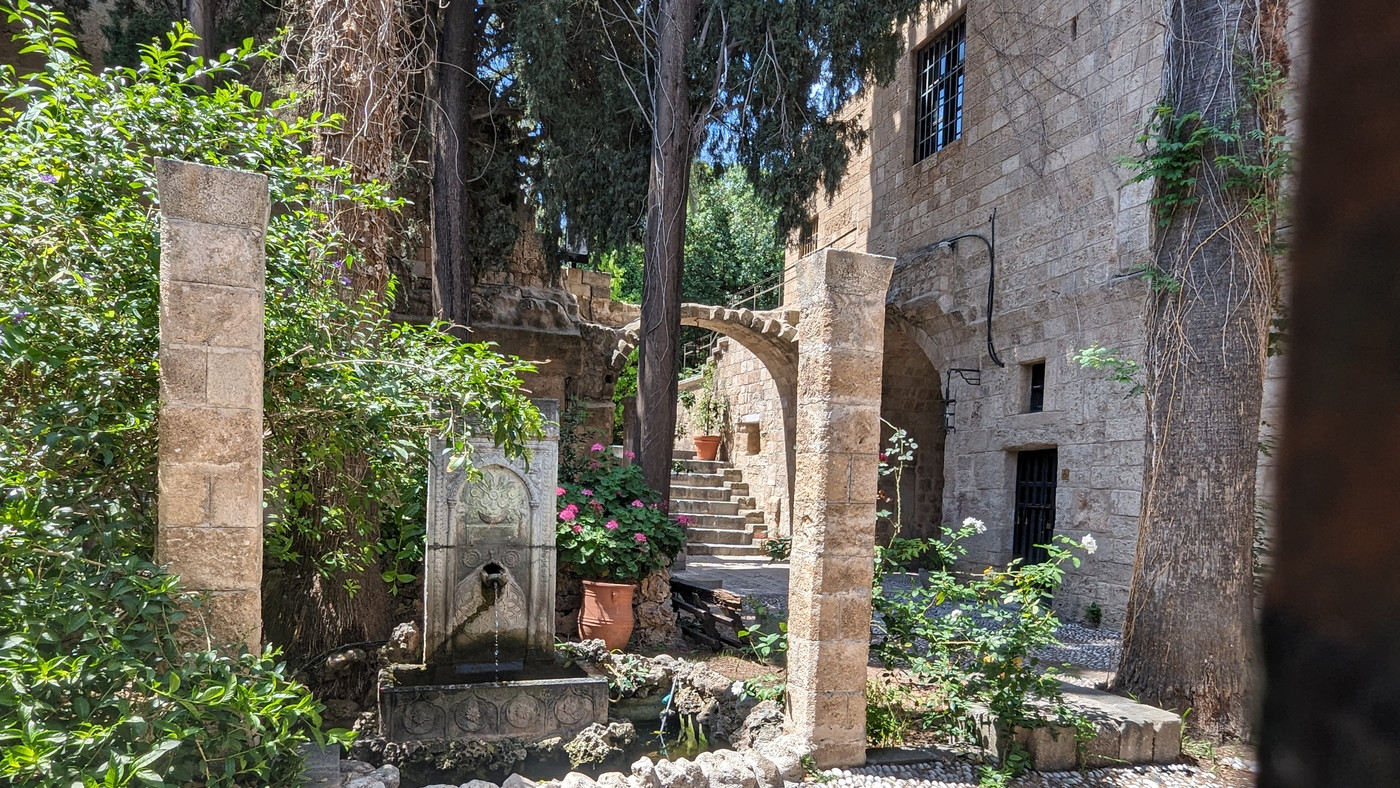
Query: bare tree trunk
[672, 148]
[355, 67]
[452, 274]
[1331, 621]
[200, 14]
[1188, 638]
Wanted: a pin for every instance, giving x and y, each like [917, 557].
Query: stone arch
[911, 398]
[771, 335]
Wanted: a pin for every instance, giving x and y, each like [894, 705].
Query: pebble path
[960, 775]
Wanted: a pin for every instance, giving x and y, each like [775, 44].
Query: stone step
[683, 454]
[697, 480]
[700, 493]
[713, 536]
[732, 475]
[705, 466]
[697, 548]
[726, 522]
[739, 488]
[688, 506]
[745, 502]
[754, 516]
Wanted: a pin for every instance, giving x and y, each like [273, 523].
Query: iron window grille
[1035, 504]
[940, 91]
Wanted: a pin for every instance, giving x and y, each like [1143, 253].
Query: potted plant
[612, 532]
[709, 410]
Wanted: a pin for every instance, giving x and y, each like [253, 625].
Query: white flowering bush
[972, 637]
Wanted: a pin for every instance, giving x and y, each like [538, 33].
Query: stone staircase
[716, 500]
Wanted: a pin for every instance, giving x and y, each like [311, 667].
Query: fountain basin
[415, 703]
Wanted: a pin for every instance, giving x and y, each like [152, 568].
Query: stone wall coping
[212, 195]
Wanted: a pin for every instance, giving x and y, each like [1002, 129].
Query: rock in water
[405, 645]
[763, 724]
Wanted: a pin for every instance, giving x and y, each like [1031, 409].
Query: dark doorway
[1035, 503]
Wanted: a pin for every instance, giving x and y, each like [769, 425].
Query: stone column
[213, 223]
[842, 298]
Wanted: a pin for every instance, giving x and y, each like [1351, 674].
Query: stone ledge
[1126, 733]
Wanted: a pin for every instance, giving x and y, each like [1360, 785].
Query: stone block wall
[911, 400]
[212, 268]
[1053, 94]
[753, 440]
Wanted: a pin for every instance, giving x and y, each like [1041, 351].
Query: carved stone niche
[488, 583]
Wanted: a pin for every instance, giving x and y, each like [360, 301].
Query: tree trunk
[200, 14]
[672, 147]
[452, 275]
[1331, 620]
[1188, 637]
[355, 68]
[308, 613]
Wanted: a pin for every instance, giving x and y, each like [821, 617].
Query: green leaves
[115, 700]
[971, 637]
[94, 687]
[611, 525]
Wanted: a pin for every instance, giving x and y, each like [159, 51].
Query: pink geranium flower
[631, 455]
[598, 447]
[682, 519]
[639, 536]
[569, 513]
[578, 529]
[597, 505]
[637, 504]
[611, 525]
[587, 492]
[559, 491]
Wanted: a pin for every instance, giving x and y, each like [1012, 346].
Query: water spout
[493, 577]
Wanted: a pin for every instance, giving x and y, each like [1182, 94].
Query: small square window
[939, 97]
[1036, 401]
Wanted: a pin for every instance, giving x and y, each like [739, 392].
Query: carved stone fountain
[488, 667]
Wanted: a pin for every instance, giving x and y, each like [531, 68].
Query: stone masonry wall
[753, 440]
[910, 399]
[1053, 95]
[212, 269]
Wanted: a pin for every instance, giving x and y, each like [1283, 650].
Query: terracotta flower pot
[706, 446]
[606, 613]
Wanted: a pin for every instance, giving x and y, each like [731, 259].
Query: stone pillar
[213, 223]
[842, 297]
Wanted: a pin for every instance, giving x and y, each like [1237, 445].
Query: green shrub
[611, 525]
[350, 397]
[93, 686]
[973, 637]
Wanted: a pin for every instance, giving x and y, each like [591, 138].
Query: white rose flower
[975, 524]
[1089, 545]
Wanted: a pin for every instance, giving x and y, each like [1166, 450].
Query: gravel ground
[947, 775]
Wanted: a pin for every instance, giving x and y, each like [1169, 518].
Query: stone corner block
[213, 195]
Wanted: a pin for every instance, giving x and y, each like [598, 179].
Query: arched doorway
[911, 399]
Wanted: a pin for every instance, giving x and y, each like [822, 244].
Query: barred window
[940, 91]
